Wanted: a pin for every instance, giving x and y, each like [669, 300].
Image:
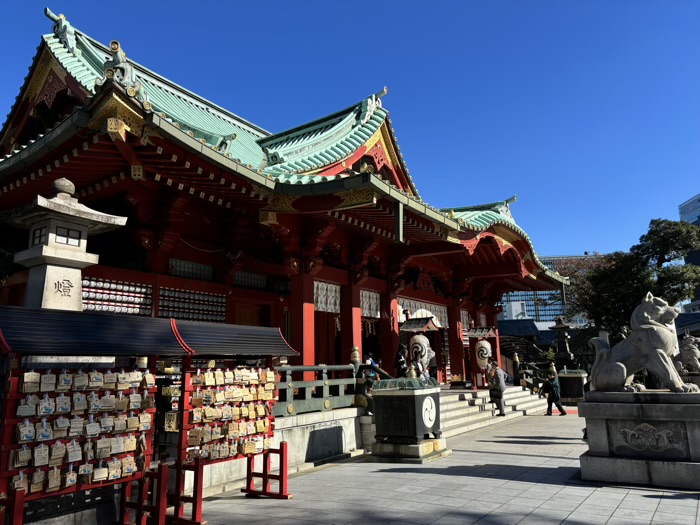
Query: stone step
[530, 403]
[461, 421]
[457, 410]
[457, 419]
[480, 423]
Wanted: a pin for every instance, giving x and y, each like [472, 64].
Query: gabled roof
[324, 141]
[229, 133]
[484, 216]
[294, 156]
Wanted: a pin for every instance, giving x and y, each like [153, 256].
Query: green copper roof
[324, 141]
[229, 134]
[482, 216]
[289, 157]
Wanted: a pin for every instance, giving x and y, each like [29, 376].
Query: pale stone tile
[559, 505]
[667, 518]
[672, 508]
[633, 514]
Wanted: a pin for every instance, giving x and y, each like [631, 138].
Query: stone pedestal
[426, 450]
[646, 438]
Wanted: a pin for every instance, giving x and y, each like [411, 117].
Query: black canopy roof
[58, 332]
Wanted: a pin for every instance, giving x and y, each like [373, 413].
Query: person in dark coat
[401, 362]
[432, 364]
[552, 390]
[497, 385]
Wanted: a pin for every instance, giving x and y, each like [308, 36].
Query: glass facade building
[689, 211]
[539, 306]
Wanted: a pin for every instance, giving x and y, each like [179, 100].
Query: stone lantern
[563, 358]
[57, 252]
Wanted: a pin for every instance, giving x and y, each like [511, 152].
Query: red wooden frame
[179, 499]
[17, 498]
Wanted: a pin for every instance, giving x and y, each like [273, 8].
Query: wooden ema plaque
[224, 415]
[66, 431]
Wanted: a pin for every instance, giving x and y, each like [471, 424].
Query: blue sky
[588, 110]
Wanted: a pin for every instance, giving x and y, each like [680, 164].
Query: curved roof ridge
[154, 77]
[493, 206]
[319, 122]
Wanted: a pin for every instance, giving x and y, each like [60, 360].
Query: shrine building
[318, 230]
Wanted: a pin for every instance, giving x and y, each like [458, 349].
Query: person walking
[497, 385]
[552, 390]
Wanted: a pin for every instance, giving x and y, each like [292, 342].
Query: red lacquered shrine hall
[318, 230]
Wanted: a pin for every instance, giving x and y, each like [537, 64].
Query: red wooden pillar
[302, 313]
[351, 320]
[454, 318]
[389, 330]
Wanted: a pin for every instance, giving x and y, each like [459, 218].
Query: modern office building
[690, 212]
[540, 306]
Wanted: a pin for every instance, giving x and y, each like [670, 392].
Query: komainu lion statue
[650, 345]
[690, 353]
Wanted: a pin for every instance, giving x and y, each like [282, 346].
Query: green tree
[609, 290]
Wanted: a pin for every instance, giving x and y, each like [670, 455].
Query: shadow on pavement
[540, 437]
[544, 441]
[547, 475]
[518, 454]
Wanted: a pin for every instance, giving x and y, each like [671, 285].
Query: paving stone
[485, 481]
[638, 503]
[633, 514]
[667, 518]
[671, 508]
[586, 518]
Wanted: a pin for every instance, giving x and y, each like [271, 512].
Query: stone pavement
[523, 471]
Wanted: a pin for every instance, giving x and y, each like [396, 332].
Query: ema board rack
[73, 430]
[222, 414]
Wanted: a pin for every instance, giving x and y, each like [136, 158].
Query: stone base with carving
[426, 450]
[646, 438]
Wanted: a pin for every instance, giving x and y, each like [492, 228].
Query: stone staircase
[463, 411]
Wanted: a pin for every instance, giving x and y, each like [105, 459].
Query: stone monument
[648, 437]
[57, 252]
[58, 230]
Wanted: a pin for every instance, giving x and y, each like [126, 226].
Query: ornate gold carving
[356, 198]
[114, 107]
[388, 144]
[137, 172]
[116, 129]
[44, 66]
[281, 203]
[373, 139]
